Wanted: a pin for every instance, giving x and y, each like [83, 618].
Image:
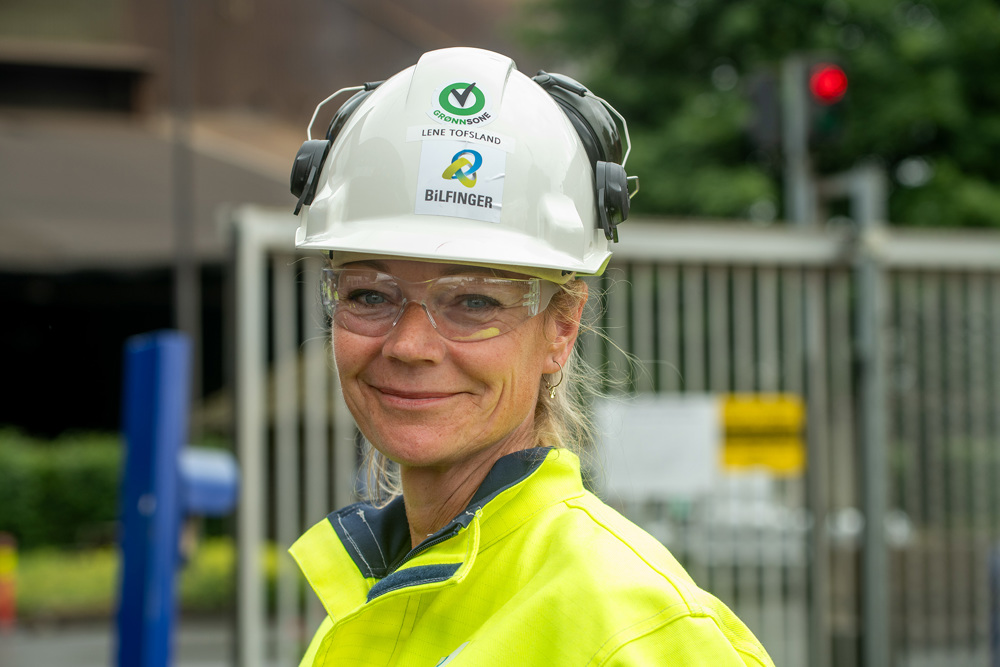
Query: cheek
[342, 359]
[352, 354]
[521, 374]
[340, 355]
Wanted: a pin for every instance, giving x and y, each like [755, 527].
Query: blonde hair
[561, 421]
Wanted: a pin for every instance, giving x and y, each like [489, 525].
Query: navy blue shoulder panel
[506, 472]
[378, 539]
[375, 537]
[413, 576]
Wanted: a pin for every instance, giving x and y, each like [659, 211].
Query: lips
[414, 395]
[398, 394]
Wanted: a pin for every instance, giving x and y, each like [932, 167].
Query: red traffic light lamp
[827, 83]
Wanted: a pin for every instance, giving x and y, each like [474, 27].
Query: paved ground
[200, 643]
[204, 643]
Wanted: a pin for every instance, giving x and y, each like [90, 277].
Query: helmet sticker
[461, 104]
[436, 132]
[460, 179]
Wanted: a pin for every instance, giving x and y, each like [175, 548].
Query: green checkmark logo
[461, 92]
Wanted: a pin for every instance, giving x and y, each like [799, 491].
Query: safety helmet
[463, 159]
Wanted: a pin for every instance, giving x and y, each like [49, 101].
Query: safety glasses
[465, 308]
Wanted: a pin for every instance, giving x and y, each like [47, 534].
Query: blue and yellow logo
[462, 169]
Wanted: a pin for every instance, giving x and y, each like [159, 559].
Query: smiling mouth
[413, 395]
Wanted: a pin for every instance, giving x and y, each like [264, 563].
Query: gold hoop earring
[552, 387]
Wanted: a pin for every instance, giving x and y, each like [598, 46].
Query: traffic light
[763, 92]
[826, 86]
[827, 83]
[799, 110]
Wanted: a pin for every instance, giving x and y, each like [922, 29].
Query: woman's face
[425, 401]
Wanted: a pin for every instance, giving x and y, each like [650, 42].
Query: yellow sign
[764, 430]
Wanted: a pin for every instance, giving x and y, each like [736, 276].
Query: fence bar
[941, 249]
[912, 608]
[251, 327]
[844, 503]
[727, 243]
[979, 456]
[871, 303]
[286, 453]
[743, 330]
[694, 328]
[746, 580]
[774, 614]
[934, 485]
[993, 404]
[796, 632]
[315, 372]
[793, 370]
[953, 402]
[993, 407]
[668, 331]
[722, 569]
[843, 489]
[817, 443]
[767, 329]
[643, 326]
[718, 330]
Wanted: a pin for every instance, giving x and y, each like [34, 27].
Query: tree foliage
[924, 96]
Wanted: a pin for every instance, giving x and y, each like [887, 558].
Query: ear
[563, 327]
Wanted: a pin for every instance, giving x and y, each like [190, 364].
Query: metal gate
[890, 338]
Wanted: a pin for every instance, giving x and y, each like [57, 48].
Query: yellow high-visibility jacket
[536, 571]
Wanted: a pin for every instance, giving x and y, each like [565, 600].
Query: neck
[434, 495]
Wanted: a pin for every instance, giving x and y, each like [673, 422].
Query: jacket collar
[378, 539]
[374, 542]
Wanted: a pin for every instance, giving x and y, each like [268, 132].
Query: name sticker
[461, 179]
[436, 132]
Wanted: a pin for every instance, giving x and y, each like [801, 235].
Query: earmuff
[309, 160]
[587, 113]
[599, 133]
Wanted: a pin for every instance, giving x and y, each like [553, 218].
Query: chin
[418, 448]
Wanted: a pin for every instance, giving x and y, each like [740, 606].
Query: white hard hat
[463, 159]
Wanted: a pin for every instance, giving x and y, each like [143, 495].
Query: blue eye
[368, 298]
[479, 302]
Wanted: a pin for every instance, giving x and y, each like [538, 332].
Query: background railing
[718, 309]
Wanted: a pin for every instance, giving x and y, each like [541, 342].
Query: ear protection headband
[589, 115]
[309, 160]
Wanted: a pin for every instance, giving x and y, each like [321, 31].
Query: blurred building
[96, 98]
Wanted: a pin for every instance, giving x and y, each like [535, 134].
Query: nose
[413, 336]
[402, 311]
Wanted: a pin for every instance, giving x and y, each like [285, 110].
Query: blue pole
[155, 416]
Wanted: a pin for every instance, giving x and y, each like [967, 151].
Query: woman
[459, 201]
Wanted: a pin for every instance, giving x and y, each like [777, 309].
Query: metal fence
[892, 339]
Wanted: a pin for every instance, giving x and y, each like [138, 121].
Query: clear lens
[461, 308]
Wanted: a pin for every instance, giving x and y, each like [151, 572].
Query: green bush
[76, 584]
[62, 492]
[65, 492]
[55, 584]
